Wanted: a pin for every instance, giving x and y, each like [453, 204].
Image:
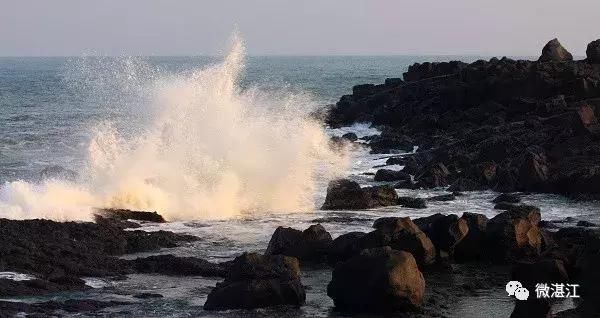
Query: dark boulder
[391, 175]
[514, 234]
[377, 280]
[553, 51]
[433, 176]
[344, 247]
[350, 136]
[445, 231]
[400, 234]
[593, 52]
[256, 281]
[123, 214]
[383, 195]
[311, 244]
[508, 198]
[584, 223]
[465, 184]
[472, 246]
[443, 197]
[414, 203]
[345, 194]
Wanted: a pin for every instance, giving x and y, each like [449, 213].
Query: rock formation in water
[503, 124]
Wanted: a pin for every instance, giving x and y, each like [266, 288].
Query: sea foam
[210, 150]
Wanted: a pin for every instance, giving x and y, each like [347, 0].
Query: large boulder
[344, 247]
[593, 52]
[553, 51]
[391, 175]
[344, 194]
[400, 234]
[445, 231]
[514, 234]
[414, 203]
[377, 280]
[256, 281]
[472, 246]
[382, 195]
[433, 176]
[311, 244]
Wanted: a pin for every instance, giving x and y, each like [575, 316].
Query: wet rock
[123, 214]
[345, 194]
[508, 198]
[49, 308]
[377, 280]
[554, 51]
[9, 287]
[593, 52]
[400, 234]
[178, 266]
[472, 246]
[391, 175]
[465, 184]
[350, 136]
[344, 247]
[383, 195]
[443, 197]
[256, 281]
[311, 244]
[445, 231]
[433, 176]
[406, 184]
[514, 235]
[51, 250]
[414, 203]
[586, 224]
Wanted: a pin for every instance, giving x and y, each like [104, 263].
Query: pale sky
[298, 27]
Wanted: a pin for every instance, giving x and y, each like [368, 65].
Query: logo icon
[515, 288]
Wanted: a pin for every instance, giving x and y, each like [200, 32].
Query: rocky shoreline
[503, 125]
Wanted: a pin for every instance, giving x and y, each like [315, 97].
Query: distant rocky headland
[506, 125]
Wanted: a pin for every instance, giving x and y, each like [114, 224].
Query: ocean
[222, 146]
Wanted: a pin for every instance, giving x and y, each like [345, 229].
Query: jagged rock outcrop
[377, 280]
[506, 125]
[555, 52]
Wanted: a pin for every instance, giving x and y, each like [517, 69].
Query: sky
[299, 27]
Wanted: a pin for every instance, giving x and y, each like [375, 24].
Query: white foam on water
[16, 276]
[209, 150]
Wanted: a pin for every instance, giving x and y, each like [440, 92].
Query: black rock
[507, 198]
[415, 203]
[311, 244]
[391, 175]
[554, 51]
[443, 197]
[593, 52]
[255, 281]
[350, 136]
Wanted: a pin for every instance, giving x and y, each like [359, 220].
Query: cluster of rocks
[58, 254]
[507, 125]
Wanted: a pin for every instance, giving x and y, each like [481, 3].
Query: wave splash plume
[210, 150]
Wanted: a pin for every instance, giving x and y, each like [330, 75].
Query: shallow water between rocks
[465, 290]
